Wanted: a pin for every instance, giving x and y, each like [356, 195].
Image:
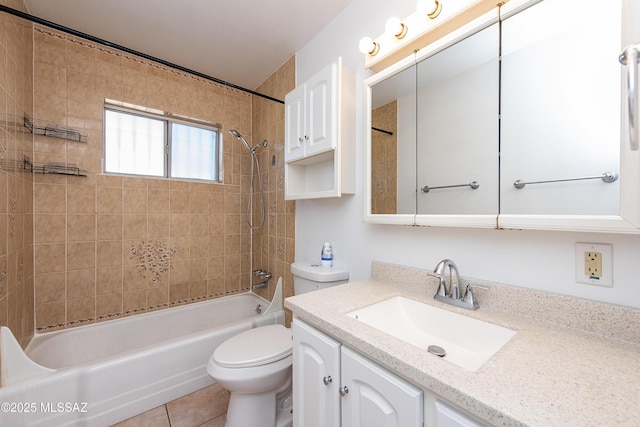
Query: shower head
[235, 133]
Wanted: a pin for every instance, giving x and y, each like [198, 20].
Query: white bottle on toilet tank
[326, 256]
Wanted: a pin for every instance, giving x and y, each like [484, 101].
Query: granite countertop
[548, 374]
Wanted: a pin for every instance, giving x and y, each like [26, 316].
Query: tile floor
[203, 408]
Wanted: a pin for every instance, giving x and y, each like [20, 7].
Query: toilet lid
[255, 347]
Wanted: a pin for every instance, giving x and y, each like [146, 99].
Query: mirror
[393, 144]
[561, 109]
[457, 149]
[548, 114]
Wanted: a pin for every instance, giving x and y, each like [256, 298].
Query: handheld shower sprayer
[254, 164]
[236, 134]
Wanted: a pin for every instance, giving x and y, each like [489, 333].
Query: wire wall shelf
[40, 127]
[52, 168]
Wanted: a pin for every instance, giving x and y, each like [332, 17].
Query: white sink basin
[468, 342]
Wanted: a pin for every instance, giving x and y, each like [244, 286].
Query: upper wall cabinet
[520, 122]
[320, 135]
[457, 150]
[561, 118]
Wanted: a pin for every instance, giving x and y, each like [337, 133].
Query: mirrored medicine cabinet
[516, 120]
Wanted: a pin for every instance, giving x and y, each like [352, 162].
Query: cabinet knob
[344, 391]
[300, 139]
[306, 137]
[327, 380]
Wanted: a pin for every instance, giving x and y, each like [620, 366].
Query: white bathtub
[104, 373]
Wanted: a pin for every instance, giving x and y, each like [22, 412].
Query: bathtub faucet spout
[260, 285]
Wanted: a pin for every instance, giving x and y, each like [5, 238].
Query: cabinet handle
[344, 391]
[629, 57]
[327, 380]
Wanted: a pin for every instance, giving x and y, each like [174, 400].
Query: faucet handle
[468, 294]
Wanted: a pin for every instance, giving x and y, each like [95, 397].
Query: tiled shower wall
[108, 246]
[16, 194]
[274, 242]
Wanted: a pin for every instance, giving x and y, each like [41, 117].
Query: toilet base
[269, 409]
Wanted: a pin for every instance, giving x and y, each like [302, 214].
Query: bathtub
[100, 374]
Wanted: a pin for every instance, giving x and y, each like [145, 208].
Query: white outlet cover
[607, 264]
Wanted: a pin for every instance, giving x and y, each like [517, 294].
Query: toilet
[255, 365]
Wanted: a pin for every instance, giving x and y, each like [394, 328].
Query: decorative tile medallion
[154, 259]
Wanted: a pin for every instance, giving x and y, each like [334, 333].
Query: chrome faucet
[262, 275]
[452, 295]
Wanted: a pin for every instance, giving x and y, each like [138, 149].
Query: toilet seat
[255, 347]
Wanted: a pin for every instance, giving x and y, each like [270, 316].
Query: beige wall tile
[50, 198]
[81, 255]
[159, 226]
[81, 198]
[109, 199]
[81, 227]
[49, 228]
[135, 200]
[159, 201]
[109, 227]
[81, 283]
[50, 258]
[134, 299]
[50, 288]
[109, 281]
[109, 254]
[108, 304]
[50, 314]
[81, 309]
[179, 202]
[135, 226]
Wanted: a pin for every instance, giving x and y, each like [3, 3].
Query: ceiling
[239, 41]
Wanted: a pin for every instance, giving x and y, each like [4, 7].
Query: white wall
[533, 259]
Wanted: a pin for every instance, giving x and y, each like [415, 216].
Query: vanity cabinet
[335, 386]
[320, 135]
[374, 396]
[316, 377]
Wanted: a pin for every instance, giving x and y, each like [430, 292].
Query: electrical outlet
[594, 264]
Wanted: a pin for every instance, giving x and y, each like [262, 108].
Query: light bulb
[396, 28]
[431, 7]
[368, 46]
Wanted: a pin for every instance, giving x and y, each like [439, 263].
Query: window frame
[168, 120]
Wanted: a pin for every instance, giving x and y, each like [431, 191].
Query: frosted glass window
[193, 152]
[149, 145]
[134, 144]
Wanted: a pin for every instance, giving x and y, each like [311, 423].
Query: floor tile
[156, 417]
[199, 407]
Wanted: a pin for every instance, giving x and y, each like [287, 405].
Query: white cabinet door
[373, 397]
[321, 111]
[316, 378]
[294, 119]
[446, 416]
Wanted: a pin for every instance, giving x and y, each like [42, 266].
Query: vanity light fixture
[432, 13]
[397, 42]
[368, 46]
[395, 27]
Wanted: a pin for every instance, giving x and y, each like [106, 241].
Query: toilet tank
[310, 276]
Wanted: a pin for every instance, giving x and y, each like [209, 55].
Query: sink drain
[437, 350]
